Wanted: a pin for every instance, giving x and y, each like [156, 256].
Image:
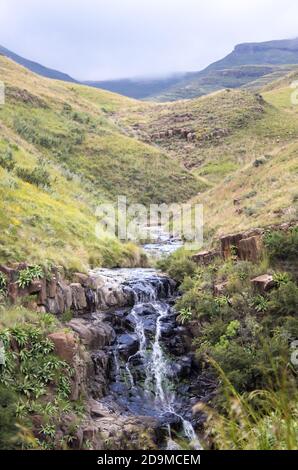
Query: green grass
[69, 155]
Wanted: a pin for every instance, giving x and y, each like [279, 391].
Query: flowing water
[143, 378]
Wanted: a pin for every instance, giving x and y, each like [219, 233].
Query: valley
[120, 345]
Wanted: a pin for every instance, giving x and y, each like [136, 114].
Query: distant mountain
[246, 63]
[139, 88]
[35, 67]
[260, 53]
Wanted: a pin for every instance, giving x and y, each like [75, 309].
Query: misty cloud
[99, 39]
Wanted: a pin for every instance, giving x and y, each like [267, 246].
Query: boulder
[79, 301]
[229, 243]
[250, 249]
[83, 279]
[263, 283]
[66, 292]
[94, 335]
[52, 287]
[205, 257]
[65, 345]
[128, 344]
[11, 274]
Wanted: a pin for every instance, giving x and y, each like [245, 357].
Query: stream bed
[151, 367]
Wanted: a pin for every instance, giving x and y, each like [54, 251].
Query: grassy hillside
[244, 151]
[60, 155]
[35, 67]
[263, 191]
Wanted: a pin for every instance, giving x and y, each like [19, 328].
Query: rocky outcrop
[251, 248]
[244, 245]
[68, 348]
[65, 345]
[54, 294]
[205, 257]
[263, 283]
[183, 132]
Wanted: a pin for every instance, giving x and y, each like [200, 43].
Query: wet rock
[98, 377]
[149, 324]
[171, 419]
[182, 367]
[147, 309]
[128, 344]
[94, 335]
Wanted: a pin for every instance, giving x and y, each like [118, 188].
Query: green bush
[39, 176]
[178, 265]
[284, 300]
[8, 428]
[7, 161]
[282, 245]
[26, 276]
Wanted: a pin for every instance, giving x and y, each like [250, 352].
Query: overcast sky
[99, 39]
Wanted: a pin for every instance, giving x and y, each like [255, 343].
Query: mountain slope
[242, 145]
[61, 154]
[246, 63]
[35, 67]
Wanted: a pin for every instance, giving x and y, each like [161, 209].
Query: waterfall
[147, 374]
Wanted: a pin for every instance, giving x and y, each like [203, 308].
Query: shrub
[282, 245]
[281, 278]
[39, 176]
[8, 427]
[178, 265]
[185, 315]
[284, 300]
[26, 276]
[260, 303]
[7, 161]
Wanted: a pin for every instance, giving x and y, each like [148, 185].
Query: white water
[156, 371]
